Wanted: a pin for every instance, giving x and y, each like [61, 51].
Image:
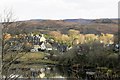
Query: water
[49, 72]
[44, 71]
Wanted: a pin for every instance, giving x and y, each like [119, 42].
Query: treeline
[73, 37]
[95, 57]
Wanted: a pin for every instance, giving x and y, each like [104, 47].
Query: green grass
[35, 58]
[32, 56]
[30, 60]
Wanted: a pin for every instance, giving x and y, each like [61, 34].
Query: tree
[73, 33]
[56, 35]
[106, 38]
[66, 39]
[90, 38]
[7, 36]
[80, 39]
[9, 57]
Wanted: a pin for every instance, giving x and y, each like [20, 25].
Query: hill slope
[85, 26]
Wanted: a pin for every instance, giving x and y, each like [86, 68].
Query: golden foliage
[65, 38]
[90, 37]
[74, 37]
[7, 36]
[73, 32]
[56, 35]
[106, 38]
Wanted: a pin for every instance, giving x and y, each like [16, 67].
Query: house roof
[48, 45]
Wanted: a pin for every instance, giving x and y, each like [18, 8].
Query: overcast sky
[61, 9]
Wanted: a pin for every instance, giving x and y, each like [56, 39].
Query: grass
[24, 56]
[32, 56]
[36, 58]
[29, 60]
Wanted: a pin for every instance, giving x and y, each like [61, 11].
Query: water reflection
[46, 71]
[49, 71]
[54, 71]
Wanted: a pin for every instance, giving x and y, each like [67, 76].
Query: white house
[35, 49]
[42, 39]
[43, 47]
[48, 46]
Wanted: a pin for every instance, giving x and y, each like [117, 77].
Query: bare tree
[9, 53]
[0, 50]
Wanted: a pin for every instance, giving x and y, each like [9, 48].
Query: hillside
[95, 26]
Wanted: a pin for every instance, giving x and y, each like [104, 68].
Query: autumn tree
[66, 39]
[73, 33]
[106, 38]
[81, 38]
[90, 38]
[56, 35]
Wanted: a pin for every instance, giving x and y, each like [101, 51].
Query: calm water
[46, 71]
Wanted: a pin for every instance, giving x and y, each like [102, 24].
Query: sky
[61, 9]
